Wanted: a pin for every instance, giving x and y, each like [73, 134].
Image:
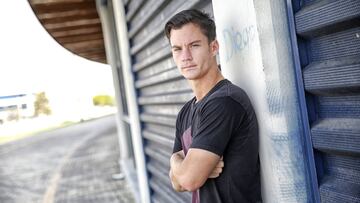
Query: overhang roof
[74, 24]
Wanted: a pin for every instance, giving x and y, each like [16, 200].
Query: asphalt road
[72, 164]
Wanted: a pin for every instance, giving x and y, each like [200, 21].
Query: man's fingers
[218, 169]
[214, 176]
[215, 173]
[220, 164]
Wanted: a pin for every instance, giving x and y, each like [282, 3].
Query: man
[215, 153]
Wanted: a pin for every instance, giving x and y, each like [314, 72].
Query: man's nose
[186, 55]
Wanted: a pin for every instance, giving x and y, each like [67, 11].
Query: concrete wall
[255, 54]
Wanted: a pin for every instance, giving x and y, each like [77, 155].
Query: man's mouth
[188, 67]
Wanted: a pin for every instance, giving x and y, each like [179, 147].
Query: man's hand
[218, 169]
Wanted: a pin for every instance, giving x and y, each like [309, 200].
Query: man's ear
[214, 47]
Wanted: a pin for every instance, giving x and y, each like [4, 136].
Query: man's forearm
[192, 172]
[181, 173]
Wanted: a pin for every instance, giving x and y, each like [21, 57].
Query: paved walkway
[73, 164]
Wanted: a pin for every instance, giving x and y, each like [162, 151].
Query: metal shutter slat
[337, 135]
[324, 17]
[167, 99]
[333, 77]
[164, 120]
[166, 52]
[171, 74]
[334, 190]
[158, 138]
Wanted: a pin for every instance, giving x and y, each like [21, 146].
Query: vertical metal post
[301, 95]
[123, 40]
[111, 58]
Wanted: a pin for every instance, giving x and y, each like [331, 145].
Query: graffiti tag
[237, 40]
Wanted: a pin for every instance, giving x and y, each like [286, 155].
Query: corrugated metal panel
[329, 44]
[162, 91]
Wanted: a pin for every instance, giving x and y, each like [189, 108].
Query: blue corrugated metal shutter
[328, 34]
[161, 89]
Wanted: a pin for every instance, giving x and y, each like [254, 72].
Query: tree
[42, 104]
[103, 100]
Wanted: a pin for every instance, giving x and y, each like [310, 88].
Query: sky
[32, 61]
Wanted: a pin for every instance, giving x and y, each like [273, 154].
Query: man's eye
[195, 45]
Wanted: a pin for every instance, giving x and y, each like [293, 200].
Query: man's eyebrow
[196, 41]
[193, 42]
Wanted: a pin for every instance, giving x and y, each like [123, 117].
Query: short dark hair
[201, 19]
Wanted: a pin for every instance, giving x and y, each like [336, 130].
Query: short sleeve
[177, 142]
[217, 121]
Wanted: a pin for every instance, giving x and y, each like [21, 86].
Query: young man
[215, 153]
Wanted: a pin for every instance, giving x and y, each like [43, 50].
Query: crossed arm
[188, 173]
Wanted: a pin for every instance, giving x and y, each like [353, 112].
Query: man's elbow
[191, 184]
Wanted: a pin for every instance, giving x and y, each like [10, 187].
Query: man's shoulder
[229, 91]
[186, 106]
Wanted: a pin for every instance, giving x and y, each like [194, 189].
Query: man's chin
[190, 77]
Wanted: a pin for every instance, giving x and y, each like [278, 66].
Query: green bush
[103, 100]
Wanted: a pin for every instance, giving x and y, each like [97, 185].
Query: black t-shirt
[224, 123]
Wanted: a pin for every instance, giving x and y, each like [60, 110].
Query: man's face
[192, 53]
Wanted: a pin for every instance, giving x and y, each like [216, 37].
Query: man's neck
[203, 86]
